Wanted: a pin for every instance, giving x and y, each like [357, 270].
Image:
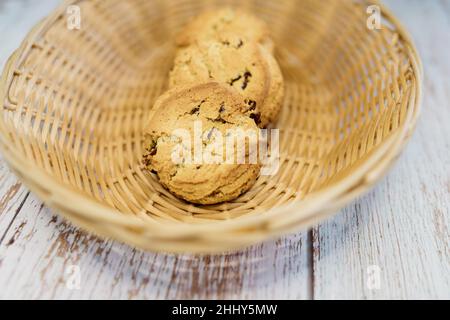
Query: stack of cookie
[225, 79]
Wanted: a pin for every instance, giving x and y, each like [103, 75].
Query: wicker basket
[75, 104]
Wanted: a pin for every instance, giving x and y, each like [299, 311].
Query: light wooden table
[401, 227]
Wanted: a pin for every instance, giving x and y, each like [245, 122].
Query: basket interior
[78, 100]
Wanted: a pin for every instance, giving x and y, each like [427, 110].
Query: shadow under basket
[76, 101]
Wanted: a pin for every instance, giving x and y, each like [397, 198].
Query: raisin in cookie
[185, 144]
[225, 25]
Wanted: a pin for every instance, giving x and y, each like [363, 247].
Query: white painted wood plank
[403, 225]
[40, 249]
[12, 197]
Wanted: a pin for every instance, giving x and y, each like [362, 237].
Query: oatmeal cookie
[249, 68]
[225, 25]
[242, 68]
[273, 102]
[187, 119]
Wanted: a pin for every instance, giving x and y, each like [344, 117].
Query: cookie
[241, 67]
[188, 117]
[225, 25]
[249, 68]
[273, 102]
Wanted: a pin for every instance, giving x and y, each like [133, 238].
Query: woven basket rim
[306, 212]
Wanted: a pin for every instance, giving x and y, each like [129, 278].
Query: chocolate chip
[146, 162]
[256, 117]
[251, 103]
[235, 80]
[247, 76]
[152, 148]
[196, 110]
[219, 119]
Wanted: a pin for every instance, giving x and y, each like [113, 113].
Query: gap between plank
[310, 262]
[14, 218]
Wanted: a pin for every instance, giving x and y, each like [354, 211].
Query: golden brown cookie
[200, 117]
[273, 102]
[249, 68]
[242, 67]
[225, 25]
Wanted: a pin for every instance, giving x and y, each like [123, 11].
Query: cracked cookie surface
[217, 110]
[225, 25]
[249, 68]
[240, 67]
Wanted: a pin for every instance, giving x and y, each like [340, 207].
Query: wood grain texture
[12, 198]
[40, 249]
[402, 226]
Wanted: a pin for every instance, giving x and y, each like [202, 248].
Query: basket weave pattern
[75, 103]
